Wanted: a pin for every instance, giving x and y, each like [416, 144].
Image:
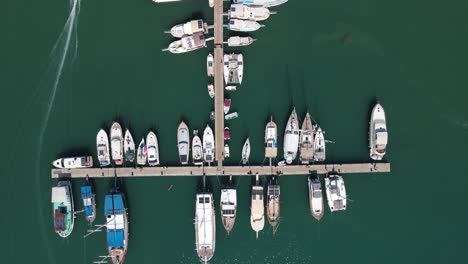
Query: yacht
[336, 192]
[210, 65]
[265, 3]
[231, 116]
[211, 90]
[306, 144]
[227, 105]
[226, 151]
[64, 211]
[245, 12]
[208, 145]
[116, 143]
[291, 138]
[188, 29]
[102, 144]
[246, 152]
[227, 134]
[89, 201]
[273, 203]
[152, 149]
[243, 25]
[142, 153]
[237, 41]
[188, 43]
[115, 212]
[378, 135]
[197, 149]
[319, 145]
[129, 147]
[257, 209]
[205, 226]
[74, 162]
[233, 68]
[228, 206]
[183, 143]
[271, 148]
[315, 197]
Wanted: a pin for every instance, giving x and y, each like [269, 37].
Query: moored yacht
[336, 192]
[246, 152]
[102, 145]
[189, 28]
[205, 226]
[197, 149]
[188, 43]
[265, 3]
[257, 209]
[228, 205]
[273, 203]
[183, 143]
[129, 147]
[306, 144]
[210, 64]
[208, 145]
[315, 196]
[243, 25]
[291, 138]
[271, 131]
[89, 202]
[245, 12]
[236, 41]
[152, 149]
[116, 143]
[319, 145]
[378, 135]
[116, 225]
[141, 153]
[230, 88]
[233, 68]
[73, 162]
[231, 116]
[64, 211]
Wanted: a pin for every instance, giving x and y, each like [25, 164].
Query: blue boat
[117, 226]
[89, 203]
[264, 3]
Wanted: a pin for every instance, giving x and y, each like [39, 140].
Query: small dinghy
[211, 91]
[231, 88]
[74, 162]
[233, 67]
[237, 41]
[141, 153]
[243, 25]
[228, 205]
[183, 143]
[227, 105]
[197, 149]
[227, 134]
[102, 145]
[315, 197]
[63, 208]
[210, 65]
[89, 202]
[153, 149]
[208, 145]
[129, 147]
[116, 143]
[378, 135]
[319, 145]
[265, 3]
[189, 28]
[226, 151]
[231, 116]
[246, 152]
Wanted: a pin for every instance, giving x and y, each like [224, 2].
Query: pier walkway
[218, 82]
[223, 171]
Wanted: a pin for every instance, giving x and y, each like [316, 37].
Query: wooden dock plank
[218, 81]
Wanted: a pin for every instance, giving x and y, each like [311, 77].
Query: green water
[410, 55]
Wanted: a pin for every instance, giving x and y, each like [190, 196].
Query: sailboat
[319, 145]
[116, 143]
[378, 135]
[246, 152]
[315, 197]
[226, 151]
[64, 211]
[291, 138]
[210, 65]
[257, 209]
[102, 144]
[273, 203]
[89, 201]
[153, 149]
[205, 226]
[306, 144]
[141, 153]
[183, 143]
[129, 147]
[208, 145]
[73, 162]
[245, 12]
[336, 192]
[271, 147]
[189, 28]
[117, 225]
[228, 205]
[197, 149]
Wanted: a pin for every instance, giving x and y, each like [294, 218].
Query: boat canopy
[115, 238]
[113, 204]
[382, 138]
[59, 195]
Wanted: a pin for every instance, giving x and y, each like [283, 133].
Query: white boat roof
[115, 222]
[229, 196]
[59, 194]
[204, 223]
[382, 138]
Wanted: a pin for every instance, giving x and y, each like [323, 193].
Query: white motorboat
[116, 143]
[315, 196]
[208, 145]
[228, 205]
[205, 226]
[211, 90]
[129, 146]
[257, 209]
[378, 135]
[265, 3]
[243, 25]
[102, 144]
[273, 203]
[188, 43]
[306, 142]
[246, 152]
[336, 192]
[211, 3]
[142, 153]
[210, 65]
[226, 151]
[230, 88]
[152, 148]
[197, 149]
[183, 143]
[188, 28]
[271, 148]
[245, 12]
[233, 68]
[116, 217]
[74, 162]
[319, 145]
[227, 105]
[291, 138]
[231, 116]
[237, 41]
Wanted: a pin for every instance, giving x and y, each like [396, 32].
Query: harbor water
[69, 68]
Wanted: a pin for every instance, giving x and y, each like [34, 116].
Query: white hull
[291, 138]
[116, 143]
[183, 143]
[319, 145]
[129, 147]
[74, 162]
[245, 12]
[237, 41]
[102, 145]
[306, 143]
[231, 116]
[211, 90]
[142, 153]
[246, 152]
[205, 226]
[187, 44]
[233, 67]
[210, 65]
[315, 197]
[271, 132]
[208, 145]
[243, 25]
[257, 209]
[152, 149]
[378, 135]
[336, 192]
[197, 149]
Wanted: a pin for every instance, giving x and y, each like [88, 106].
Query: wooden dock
[219, 82]
[223, 171]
